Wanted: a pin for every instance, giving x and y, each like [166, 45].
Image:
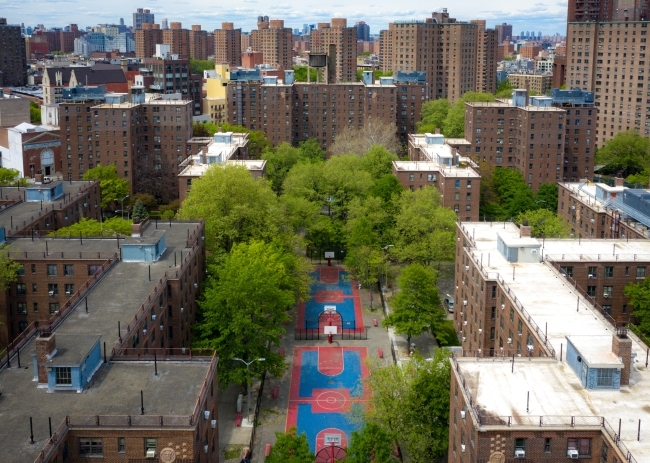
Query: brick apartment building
[297, 111]
[274, 41]
[178, 40]
[227, 45]
[559, 351]
[540, 83]
[433, 162]
[146, 141]
[146, 40]
[530, 50]
[63, 40]
[180, 417]
[345, 39]
[609, 59]
[532, 137]
[13, 63]
[175, 76]
[455, 56]
[198, 43]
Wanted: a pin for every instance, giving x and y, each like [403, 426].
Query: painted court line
[330, 360]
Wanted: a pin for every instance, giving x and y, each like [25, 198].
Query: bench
[267, 450]
[380, 352]
[374, 322]
[276, 392]
[238, 420]
[282, 352]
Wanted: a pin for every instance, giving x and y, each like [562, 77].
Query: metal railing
[53, 442]
[316, 335]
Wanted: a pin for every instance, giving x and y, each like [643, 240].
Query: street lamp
[122, 201]
[249, 386]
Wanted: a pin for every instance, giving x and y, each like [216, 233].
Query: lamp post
[248, 386]
[122, 201]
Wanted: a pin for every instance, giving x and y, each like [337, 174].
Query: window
[603, 453]
[53, 289]
[51, 270]
[121, 444]
[68, 270]
[640, 272]
[492, 334]
[21, 288]
[92, 269]
[21, 271]
[568, 271]
[547, 445]
[457, 183]
[54, 307]
[609, 272]
[591, 291]
[493, 313]
[90, 446]
[607, 291]
[520, 444]
[583, 446]
[605, 376]
[22, 308]
[592, 272]
[69, 289]
[63, 376]
[33, 269]
[149, 444]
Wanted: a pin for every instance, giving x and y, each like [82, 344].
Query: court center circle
[331, 400]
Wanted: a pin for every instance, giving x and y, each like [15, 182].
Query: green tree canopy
[424, 230]
[91, 227]
[504, 194]
[245, 305]
[290, 448]
[433, 114]
[300, 74]
[454, 125]
[416, 306]
[9, 268]
[371, 444]
[235, 206]
[280, 159]
[546, 196]
[378, 161]
[34, 113]
[140, 211]
[628, 152]
[8, 176]
[544, 223]
[112, 187]
[197, 66]
[504, 89]
[410, 402]
[639, 295]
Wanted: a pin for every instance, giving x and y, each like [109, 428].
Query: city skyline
[547, 17]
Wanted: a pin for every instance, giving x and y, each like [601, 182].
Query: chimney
[618, 181]
[45, 351]
[622, 348]
[524, 231]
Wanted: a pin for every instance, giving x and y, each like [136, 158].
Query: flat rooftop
[428, 166]
[119, 294]
[25, 213]
[198, 170]
[566, 313]
[113, 390]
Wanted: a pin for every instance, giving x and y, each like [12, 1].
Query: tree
[8, 176]
[368, 222]
[371, 444]
[139, 211]
[9, 268]
[352, 140]
[505, 194]
[235, 206]
[416, 306]
[300, 74]
[546, 196]
[504, 89]
[433, 114]
[111, 186]
[628, 152]
[410, 402]
[279, 161]
[366, 264]
[197, 66]
[91, 227]
[639, 296]
[378, 161]
[34, 113]
[245, 305]
[454, 125]
[424, 231]
[146, 199]
[311, 150]
[290, 448]
[544, 223]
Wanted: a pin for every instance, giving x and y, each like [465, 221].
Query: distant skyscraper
[121, 21]
[363, 31]
[504, 32]
[305, 29]
[12, 56]
[227, 44]
[165, 24]
[142, 16]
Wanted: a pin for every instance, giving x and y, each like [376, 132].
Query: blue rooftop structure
[245, 75]
[415, 76]
[575, 96]
[83, 93]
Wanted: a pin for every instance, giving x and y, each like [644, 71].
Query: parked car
[449, 302]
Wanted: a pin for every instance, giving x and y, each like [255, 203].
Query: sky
[547, 16]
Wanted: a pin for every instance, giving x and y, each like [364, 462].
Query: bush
[446, 334]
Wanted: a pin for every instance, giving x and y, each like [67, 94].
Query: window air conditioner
[213, 424]
[520, 453]
[503, 306]
[465, 323]
[68, 293]
[153, 316]
[606, 295]
[151, 453]
[182, 309]
[462, 414]
[530, 347]
[51, 293]
[162, 327]
[205, 448]
[480, 331]
[590, 276]
[206, 414]
[144, 331]
[467, 267]
[509, 340]
[479, 351]
[464, 302]
[462, 447]
[464, 338]
[196, 285]
[572, 453]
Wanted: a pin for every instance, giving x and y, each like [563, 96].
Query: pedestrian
[246, 455]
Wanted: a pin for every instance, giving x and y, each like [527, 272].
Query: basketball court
[325, 382]
[331, 292]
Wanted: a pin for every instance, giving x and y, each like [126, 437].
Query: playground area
[335, 302]
[325, 382]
